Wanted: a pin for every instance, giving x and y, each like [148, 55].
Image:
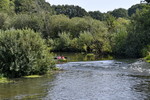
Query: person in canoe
[61, 58]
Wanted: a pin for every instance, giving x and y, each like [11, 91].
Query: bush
[23, 52]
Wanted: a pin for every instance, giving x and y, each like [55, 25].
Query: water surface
[122, 79]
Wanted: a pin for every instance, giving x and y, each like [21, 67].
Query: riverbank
[5, 80]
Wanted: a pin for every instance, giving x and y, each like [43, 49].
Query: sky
[97, 5]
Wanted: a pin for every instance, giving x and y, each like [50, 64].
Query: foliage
[147, 57]
[4, 5]
[32, 6]
[120, 12]
[118, 36]
[85, 41]
[23, 21]
[63, 43]
[59, 24]
[23, 52]
[3, 18]
[71, 28]
[70, 10]
[148, 1]
[132, 10]
[110, 23]
[97, 15]
[139, 33]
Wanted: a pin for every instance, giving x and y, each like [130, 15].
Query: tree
[139, 33]
[148, 1]
[119, 36]
[3, 18]
[85, 42]
[23, 21]
[58, 24]
[32, 6]
[96, 15]
[121, 12]
[132, 10]
[70, 10]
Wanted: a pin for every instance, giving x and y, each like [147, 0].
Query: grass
[32, 76]
[90, 55]
[5, 80]
[147, 58]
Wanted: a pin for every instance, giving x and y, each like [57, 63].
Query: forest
[30, 29]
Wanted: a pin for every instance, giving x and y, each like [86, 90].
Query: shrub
[23, 52]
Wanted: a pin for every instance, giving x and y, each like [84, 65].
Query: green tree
[63, 43]
[132, 10]
[3, 18]
[120, 12]
[97, 15]
[148, 1]
[32, 6]
[110, 22]
[58, 24]
[70, 10]
[85, 42]
[139, 34]
[119, 36]
[23, 21]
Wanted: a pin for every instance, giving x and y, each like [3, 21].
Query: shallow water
[86, 80]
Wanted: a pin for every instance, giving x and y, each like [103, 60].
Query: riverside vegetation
[30, 29]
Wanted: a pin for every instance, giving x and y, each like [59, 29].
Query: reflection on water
[85, 80]
[25, 89]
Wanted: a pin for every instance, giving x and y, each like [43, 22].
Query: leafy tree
[132, 10]
[70, 10]
[44, 6]
[64, 42]
[85, 42]
[32, 6]
[148, 1]
[120, 13]
[119, 36]
[23, 21]
[58, 24]
[25, 6]
[110, 23]
[139, 34]
[3, 18]
[97, 15]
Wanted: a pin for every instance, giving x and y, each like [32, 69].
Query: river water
[122, 79]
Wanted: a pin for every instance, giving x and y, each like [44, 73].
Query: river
[116, 79]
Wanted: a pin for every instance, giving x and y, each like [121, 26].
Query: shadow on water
[118, 79]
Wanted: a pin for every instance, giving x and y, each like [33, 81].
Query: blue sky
[95, 5]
